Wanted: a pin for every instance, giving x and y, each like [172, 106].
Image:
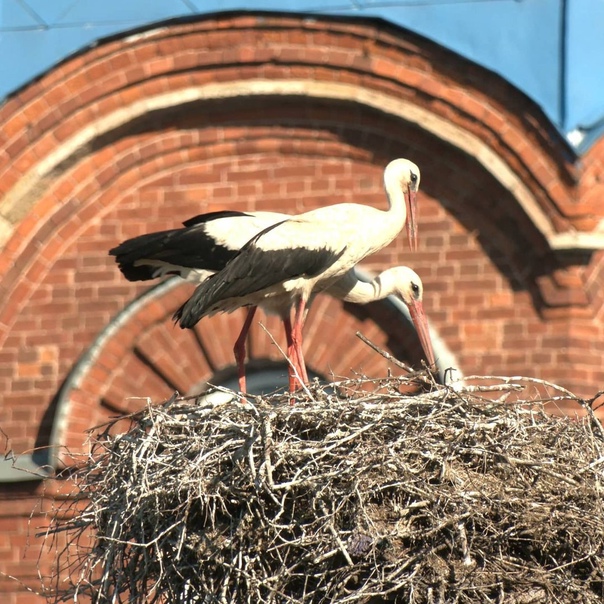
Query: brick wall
[140, 133]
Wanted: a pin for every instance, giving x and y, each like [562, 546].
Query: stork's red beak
[418, 316]
[412, 219]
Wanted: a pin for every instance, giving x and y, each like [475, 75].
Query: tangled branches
[364, 495]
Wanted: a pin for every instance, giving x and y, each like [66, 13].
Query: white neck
[397, 204]
[351, 289]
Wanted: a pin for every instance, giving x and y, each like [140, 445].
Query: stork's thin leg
[299, 318]
[239, 348]
[293, 366]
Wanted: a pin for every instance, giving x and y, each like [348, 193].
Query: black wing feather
[189, 247]
[252, 271]
[209, 216]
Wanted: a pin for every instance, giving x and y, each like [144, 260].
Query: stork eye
[415, 289]
[413, 177]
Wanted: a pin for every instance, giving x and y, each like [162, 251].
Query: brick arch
[226, 56]
[374, 65]
[98, 150]
[125, 79]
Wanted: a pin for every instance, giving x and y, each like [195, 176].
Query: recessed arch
[121, 166]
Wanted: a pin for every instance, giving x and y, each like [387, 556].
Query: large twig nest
[444, 496]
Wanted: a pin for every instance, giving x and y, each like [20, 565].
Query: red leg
[239, 348]
[299, 318]
[293, 365]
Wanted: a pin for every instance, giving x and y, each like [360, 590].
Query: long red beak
[412, 220]
[418, 316]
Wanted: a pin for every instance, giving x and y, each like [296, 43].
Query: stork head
[402, 175]
[405, 283]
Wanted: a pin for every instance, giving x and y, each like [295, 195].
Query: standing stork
[399, 281]
[281, 266]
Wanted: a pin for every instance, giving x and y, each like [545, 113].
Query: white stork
[208, 241]
[281, 266]
[400, 281]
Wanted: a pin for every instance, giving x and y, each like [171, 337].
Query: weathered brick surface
[499, 298]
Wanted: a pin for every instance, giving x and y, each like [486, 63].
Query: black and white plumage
[238, 284]
[195, 252]
[202, 247]
[281, 266]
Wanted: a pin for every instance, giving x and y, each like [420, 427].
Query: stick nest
[357, 493]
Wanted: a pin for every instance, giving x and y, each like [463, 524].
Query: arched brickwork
[282, 113]
[126, 138]
[93, 130]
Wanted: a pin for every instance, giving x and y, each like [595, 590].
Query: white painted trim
[576, 240]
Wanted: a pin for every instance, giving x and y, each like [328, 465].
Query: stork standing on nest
[282, 265]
